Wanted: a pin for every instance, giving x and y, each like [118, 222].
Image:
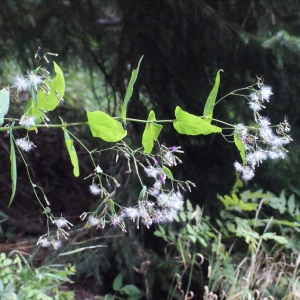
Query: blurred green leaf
[273, 236]
[118, 282]
[291, 203]
[131, 290]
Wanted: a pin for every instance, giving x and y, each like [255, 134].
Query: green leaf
[162, 229]
[105, 127]
[4, 103]
[142, 193]
[189, 205]
[151, 133]
[112, 206]
[168, 173]
[201, 241]
[57, 90]
[291, 203]
[129, 91]
[158, 233]
[273, 236]
[72, 152]
[13, 164]
[247, 206]
[182, 216]
[239, 144]
[211, 100]
[189, 124]
[130, 290]
[118, 282]
[190, 229]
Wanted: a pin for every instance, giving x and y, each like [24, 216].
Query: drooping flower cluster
[47, 240]
[25, 144]
[260, 142]
[157, 204]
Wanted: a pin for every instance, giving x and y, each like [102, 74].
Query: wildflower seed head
[254, 97]
[94, 189]
[131, 213]
[143, 212]
[238, 166]
[92, 221]
[264, 122]
[247, 173]
[44, 242]
[163, 200]
[276, 153]
[24, 144]
[155, 190]
[169, 215]
[151, 171]
[62, 222]
[56, 244]
[266, 92]
[27, 121]
[21, 84]
[169, 159]
[241, 130]
[176, 200]
[148, 222]
[255, 106]
[115, 220]
[35, 80]
[267, 134]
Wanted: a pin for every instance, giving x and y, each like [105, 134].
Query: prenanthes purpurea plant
[155, 204]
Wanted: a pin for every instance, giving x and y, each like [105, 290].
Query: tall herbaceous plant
[161, 201]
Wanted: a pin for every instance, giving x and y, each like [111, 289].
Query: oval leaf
[105, 127]
[151, 133]
[189, 124]
[211, 100]
[118, 282]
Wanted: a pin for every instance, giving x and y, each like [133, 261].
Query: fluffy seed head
[94, 189]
